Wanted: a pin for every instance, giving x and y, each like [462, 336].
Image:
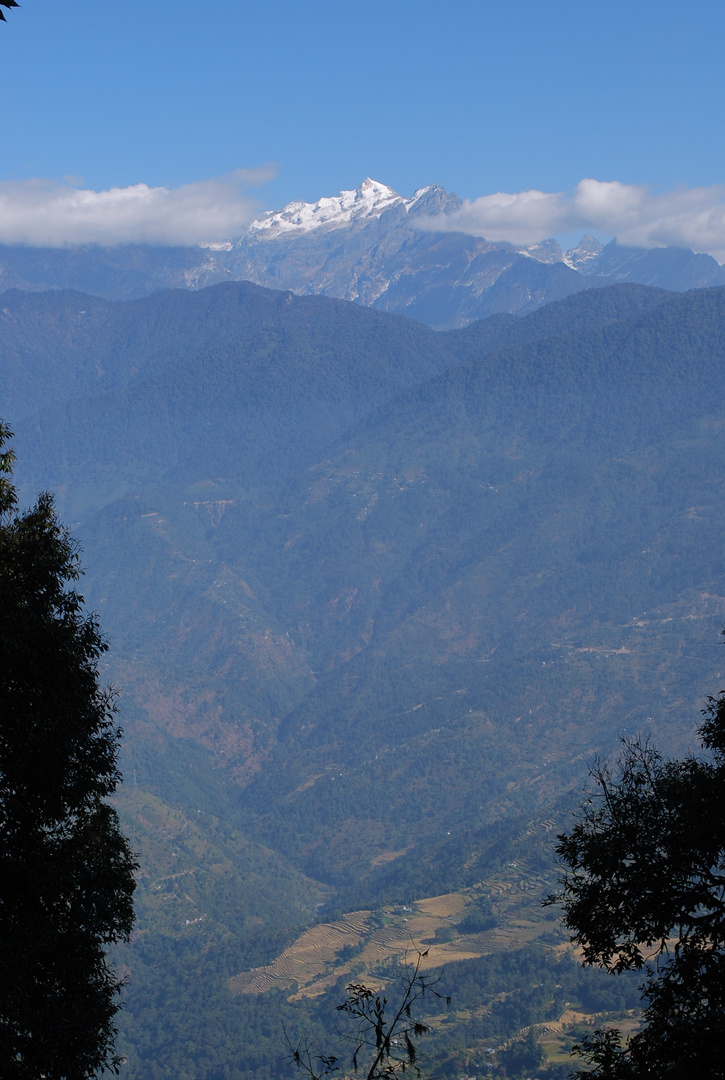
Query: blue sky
[478, 97]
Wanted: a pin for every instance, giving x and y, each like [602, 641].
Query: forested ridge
[375, 596]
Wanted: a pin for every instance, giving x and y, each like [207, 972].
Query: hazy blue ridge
[376, 595]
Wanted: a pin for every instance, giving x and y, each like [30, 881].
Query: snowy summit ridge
[370, 200]
[374, 247]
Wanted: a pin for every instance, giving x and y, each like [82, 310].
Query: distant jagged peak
[432, 200]
[546, 251]
[369, 201]
[588, 249]
[579, 258]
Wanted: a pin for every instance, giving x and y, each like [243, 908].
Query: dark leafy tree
[644, 889]
[6, 4]
[66, 871]
[382, 1036]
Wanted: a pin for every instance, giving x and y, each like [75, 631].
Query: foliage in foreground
[66, 871]
[7, 4]
[381, 1038]
[644, 889]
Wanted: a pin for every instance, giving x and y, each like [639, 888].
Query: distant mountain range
[371, 246]
[376, 594]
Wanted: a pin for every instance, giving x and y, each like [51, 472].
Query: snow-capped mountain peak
[370, 200]
[546, 251]
[586, 252]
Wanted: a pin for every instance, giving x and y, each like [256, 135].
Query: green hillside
[375, 596]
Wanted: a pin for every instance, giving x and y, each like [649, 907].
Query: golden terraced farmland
[313, 961]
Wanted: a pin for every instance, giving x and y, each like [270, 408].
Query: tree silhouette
[6, 4]
[381, 1034]
[644, 889]
[66, 871]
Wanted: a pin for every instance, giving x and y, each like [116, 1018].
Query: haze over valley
[375, 358]
[376, 595]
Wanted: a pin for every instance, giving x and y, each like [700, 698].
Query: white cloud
[634, 214]
[47, 213]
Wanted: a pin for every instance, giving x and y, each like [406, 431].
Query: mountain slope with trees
[376, 594]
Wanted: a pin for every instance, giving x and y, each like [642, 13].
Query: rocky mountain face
[371, 246]
[389, 257]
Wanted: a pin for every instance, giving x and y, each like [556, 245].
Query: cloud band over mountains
[44, 213]
[634, 214]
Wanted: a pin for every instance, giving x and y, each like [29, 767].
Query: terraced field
[366, 941]
[308, 958]
[368, 946]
